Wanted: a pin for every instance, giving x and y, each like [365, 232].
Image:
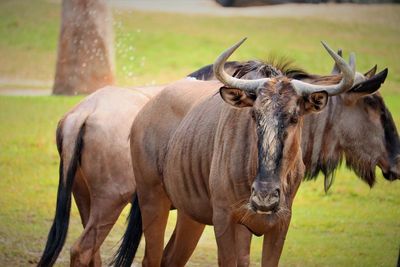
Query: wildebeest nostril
[276, 192]
[253, 189]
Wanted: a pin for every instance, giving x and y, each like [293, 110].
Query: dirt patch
[24, 92]
[379, 13]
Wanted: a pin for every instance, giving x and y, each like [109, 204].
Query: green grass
[350, 226]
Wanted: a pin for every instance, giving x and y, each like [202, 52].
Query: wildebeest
[108, 117]
[221, 165]
[95, 164]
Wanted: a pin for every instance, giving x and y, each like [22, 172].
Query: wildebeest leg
[243, 242]
[183, 241]
[103, 215]
[225, 233]
[273, 244]
[154, 206]
[82, 200]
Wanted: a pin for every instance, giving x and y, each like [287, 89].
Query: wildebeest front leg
[243, 242]
[225, 233]
[273, 244]
[183, 241]
[154, 205]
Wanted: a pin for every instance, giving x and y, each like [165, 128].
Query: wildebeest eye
[294, 119]
[371, 102]
[284, 135]
[253, 114]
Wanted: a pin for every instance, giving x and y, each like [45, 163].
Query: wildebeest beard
[365, 169]
[328, 162]
[257, 223]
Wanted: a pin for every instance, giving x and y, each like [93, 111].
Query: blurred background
[160, 41]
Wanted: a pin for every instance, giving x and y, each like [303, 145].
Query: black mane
[270, 68]
[259, 69]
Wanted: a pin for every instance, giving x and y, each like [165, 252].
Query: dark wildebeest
[108, 110]
[225, 166]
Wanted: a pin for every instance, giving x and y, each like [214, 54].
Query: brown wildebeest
[221, 165]
[92, 141]
[108, 117]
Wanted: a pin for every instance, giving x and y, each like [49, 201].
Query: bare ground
[379, 13]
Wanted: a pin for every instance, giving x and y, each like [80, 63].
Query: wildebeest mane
[270, 68]
[260, 69]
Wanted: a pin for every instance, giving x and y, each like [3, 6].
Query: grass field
[352, 225]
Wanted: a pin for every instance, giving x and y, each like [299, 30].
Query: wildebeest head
[375, 140]
[278, 105]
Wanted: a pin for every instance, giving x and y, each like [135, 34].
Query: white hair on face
[269, 125]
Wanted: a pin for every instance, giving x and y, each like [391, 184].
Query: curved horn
[226, 79]
[348, 72]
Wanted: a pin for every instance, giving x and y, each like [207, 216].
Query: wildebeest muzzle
[394, 170]
[265, 196]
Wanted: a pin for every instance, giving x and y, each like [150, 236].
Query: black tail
[58, 231]
[130, 242]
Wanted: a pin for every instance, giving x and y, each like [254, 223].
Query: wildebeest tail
[131, 239]
[59, 229]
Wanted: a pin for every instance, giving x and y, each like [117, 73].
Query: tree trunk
[85, 60]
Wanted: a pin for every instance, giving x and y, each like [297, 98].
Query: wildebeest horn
[336, 69]
[226, 79]
[348, 72]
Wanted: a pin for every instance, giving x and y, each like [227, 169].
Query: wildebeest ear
[369, 74]
[315, 102]
[236, 97]
[369, 86]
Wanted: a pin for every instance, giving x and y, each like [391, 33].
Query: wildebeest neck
[320, 146]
